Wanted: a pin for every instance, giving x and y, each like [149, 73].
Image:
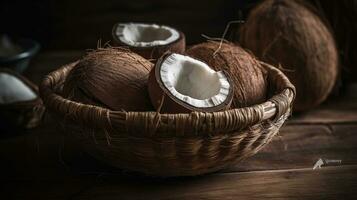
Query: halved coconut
[179, 84]
[20, 104]
[149, 40]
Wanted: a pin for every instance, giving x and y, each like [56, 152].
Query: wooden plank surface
[326, 183]
[300, 146]
[281, 184]
[45, 163]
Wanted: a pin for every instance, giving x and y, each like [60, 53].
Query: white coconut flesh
[13, 90]
[146, 35]
[193, 81]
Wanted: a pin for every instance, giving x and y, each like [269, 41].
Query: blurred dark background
[79, 24]
[69, 24]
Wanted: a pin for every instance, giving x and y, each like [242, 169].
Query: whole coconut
[287, 33]
[246, 73]
[342, 16]
[111, 77]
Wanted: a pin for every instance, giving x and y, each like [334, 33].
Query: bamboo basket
[171, 144]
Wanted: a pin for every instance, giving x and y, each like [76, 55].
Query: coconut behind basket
[149, 40]
[288, 34]
[20, 104]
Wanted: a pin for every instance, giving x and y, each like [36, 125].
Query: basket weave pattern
[171, 144]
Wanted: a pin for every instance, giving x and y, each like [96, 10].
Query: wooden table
[45, 163]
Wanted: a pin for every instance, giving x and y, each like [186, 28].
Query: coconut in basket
[113, 78]
[184, 137]
[247, 75]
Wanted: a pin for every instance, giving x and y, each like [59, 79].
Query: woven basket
[171, 144]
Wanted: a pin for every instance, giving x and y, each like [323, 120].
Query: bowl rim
[28, 52]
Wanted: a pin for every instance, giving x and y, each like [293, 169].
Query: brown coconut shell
[246, 73]
[22, 114]
[155, 52]
[342, 16]
[74, 93]
[110, 77]
[287, 33]
[165, 102]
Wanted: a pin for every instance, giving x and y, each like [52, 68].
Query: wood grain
[327, 183]
[300, 146]
[281, 184]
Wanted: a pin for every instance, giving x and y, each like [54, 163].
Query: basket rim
[151, 122]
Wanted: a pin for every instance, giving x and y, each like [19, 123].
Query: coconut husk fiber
[342, 16]
[290, 35]
[246, 73]
[110, 77]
